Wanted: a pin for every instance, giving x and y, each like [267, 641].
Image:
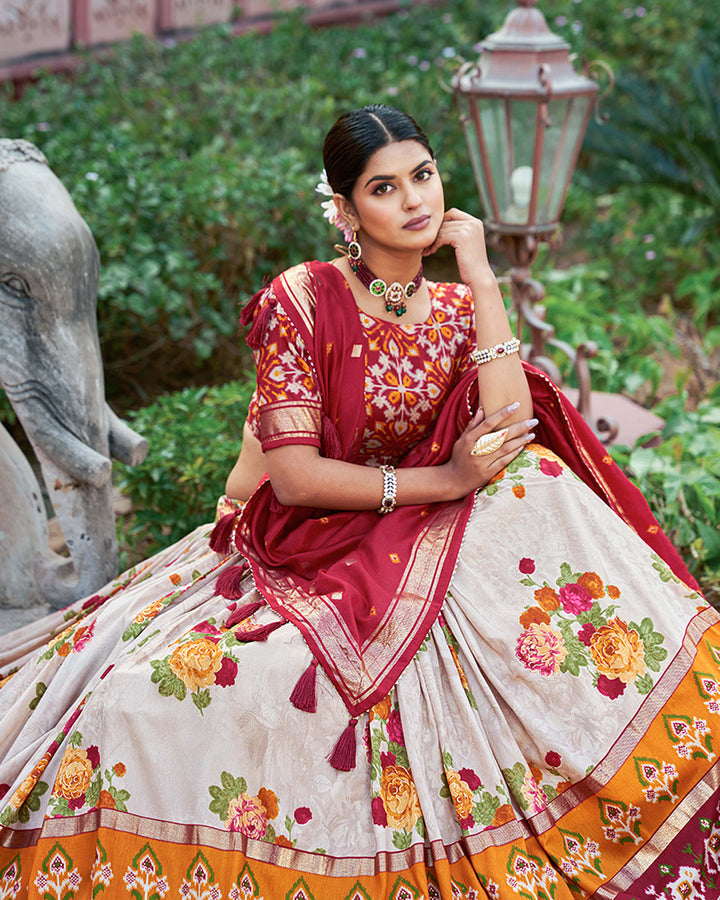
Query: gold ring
[488, 443]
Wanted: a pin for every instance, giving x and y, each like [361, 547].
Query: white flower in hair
[331, 212]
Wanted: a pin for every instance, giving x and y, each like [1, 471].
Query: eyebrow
[392, 177]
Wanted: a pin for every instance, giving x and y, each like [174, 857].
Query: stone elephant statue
[51, 371]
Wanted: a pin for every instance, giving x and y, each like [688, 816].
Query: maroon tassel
[330, 439]
[255, 336]
[222, 533]
[244, 612]
[343, 756]
[229, 582]
[303, 695]
[258, 634]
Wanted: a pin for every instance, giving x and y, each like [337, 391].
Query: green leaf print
[515, 778]
[201, 699]
[92, 795]
[402, 839]
[169, 685]
[447, 761]
[576, 653]
[269, 833]
[483, 811]
[133, 630]
[229, 789]
[40, 689]
[420, 827]
[75, 739]
[520, 462]
[119, 797]
[644, 684]
[654, 653]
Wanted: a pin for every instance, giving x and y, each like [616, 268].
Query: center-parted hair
[358, 134]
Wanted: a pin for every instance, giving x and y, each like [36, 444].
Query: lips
[417, 224]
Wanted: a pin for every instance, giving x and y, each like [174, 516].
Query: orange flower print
[119, 769]
[519, 491]
[534, 614]
[106, 800]
[593, 584]
[461, 794]
[282, 841]
[613, 592]
[196, 663]
[382, 709]
[74, 775]
[399, 797]
[149, 612]
[503, 814]
[175, 578]
[64, 649]
[618, 651]
[547, 598]
[269, 801]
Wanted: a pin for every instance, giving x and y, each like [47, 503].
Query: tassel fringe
[343, 756]
[330, 439]
[229, 582]
[221, 538]
[255, 336]
[304, 696]
[242, 613]
[262, 633]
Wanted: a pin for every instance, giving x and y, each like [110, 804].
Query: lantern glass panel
[565, 129]
[518, 164]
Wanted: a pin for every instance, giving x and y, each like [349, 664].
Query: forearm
[301, 477]
[501, 381]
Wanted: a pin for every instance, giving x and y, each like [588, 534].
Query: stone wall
[43, 34]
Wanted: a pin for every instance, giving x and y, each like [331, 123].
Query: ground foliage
[195, 164]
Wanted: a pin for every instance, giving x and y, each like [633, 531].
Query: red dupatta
[365, 589]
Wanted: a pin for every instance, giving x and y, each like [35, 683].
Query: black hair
[358, 134]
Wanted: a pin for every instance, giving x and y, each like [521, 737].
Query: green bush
[680, 478]
[195, 437]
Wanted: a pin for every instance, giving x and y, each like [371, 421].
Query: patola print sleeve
[288, 398]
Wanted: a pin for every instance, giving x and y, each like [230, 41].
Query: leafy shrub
[680, 478]
[195, 437]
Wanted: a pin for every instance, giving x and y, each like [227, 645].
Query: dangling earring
[354, 250]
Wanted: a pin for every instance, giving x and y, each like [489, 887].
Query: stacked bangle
[499, 350]
[389, 498]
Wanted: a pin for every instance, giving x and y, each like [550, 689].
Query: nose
[412, 197]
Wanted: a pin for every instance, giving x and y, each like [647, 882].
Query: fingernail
[513, 407]
[531, 423]
[529, 437]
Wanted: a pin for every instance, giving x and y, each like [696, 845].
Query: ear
[347, 210]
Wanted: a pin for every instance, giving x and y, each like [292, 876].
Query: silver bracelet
[499, 350]
[389, 498]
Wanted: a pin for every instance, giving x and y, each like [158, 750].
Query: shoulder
[456, 299]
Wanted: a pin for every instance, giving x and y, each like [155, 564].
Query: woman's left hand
[466, 235]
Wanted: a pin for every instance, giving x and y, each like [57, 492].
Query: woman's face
[397, 203]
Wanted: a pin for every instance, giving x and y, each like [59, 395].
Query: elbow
[291, 491]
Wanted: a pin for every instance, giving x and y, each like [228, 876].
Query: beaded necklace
[394, 294]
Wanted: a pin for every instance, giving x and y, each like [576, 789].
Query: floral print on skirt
[555, 736]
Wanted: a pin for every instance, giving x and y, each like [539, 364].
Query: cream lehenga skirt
[556, 735]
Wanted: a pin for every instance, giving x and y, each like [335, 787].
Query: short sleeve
[287, 401]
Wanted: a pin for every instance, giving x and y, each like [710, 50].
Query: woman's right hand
[468, 473]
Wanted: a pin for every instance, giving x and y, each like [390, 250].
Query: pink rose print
[550, 467]
[302, 815]
[379, 816]
[227, 673]
[366, 741]
[467, 823]
[470, 778]
[586, 633]
[247, 815]
[387, 759]
[77, 802]
[394, 728]
[4, 788]
[541, 648]
[527, 566]
[610, 687]
[553, 759]
[575, 599]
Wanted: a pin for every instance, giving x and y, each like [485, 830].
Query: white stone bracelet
[387, 504]
[487, 353]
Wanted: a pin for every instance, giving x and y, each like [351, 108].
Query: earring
[354, 250]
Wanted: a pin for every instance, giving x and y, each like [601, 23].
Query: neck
[402, 267]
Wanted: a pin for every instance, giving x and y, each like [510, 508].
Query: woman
[428, 657]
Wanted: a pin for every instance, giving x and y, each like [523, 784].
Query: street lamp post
[524, 111]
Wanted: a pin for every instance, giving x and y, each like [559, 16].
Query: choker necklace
[395, 294]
